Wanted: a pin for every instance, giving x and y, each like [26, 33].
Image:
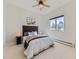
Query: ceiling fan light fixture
[41, 4]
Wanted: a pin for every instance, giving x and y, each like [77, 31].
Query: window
[57, 23]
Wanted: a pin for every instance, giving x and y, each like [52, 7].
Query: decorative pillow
[30, 34]
[26, 34]
[33, 33]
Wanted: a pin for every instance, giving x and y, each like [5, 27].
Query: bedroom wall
[15, 18]
[4, 23]
[69, 34]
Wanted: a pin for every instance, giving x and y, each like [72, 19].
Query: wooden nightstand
[19, 40]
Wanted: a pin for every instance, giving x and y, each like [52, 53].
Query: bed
[35, 43]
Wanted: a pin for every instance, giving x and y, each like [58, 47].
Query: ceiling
[27, 4]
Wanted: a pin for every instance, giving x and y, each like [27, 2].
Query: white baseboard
[65, 43]
[10, 44]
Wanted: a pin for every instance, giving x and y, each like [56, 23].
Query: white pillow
[29, 33]
[33, 33]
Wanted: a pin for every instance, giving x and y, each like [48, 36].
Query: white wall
[69, 33]
[16, 17]
[4, 23]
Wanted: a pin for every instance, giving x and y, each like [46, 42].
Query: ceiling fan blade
[35, 5]
[46, 5]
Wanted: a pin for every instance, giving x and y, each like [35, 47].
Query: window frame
[56, 25]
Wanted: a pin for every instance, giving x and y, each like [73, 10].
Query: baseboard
[65, 43]
[10, 44]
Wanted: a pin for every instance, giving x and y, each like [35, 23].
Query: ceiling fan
[41, 4]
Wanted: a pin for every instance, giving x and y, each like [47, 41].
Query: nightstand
[18, 40]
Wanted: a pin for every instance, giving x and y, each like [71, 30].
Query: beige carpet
[59, 51]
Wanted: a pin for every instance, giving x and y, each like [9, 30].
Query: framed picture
[30, 20]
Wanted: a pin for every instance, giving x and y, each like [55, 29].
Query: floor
[59, 51]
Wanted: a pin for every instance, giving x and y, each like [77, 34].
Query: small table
[19, 40]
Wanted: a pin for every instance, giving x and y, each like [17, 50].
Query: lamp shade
[18, 34]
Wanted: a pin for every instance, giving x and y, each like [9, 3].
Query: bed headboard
[26, 29]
